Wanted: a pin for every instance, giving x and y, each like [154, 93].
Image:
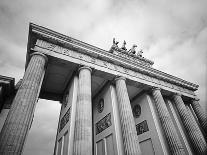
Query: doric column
[197, 140]
[83, 119]
[18, 121]
[171, 135]
[201, 115]
[130, 138]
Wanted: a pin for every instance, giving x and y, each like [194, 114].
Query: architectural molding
[120, 77]
[85, 67]
[67, 43]
[51, 49]
[41, 54]
[156, 88]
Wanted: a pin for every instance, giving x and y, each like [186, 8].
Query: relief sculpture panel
[103, 124]
[64, 120]
[142, 127]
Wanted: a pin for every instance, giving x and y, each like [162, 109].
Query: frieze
[64, 120]
[77, 45]
[131, 58]
[103, 124]
[93, 60]
[157, 80]
[64, 40]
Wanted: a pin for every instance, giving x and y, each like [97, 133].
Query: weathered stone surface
[130, 66]
[197, 140]
[173, 140]
[83, 120]
[19, 119]
[201, 115]
[130, 138]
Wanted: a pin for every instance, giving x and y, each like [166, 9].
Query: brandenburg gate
[112, 102]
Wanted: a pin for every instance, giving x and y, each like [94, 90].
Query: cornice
[143, 65]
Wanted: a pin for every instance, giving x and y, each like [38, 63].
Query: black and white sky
[171, 33]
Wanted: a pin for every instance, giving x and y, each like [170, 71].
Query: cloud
[171, 33]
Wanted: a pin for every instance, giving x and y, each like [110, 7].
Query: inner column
[83, 120]
[130, 138]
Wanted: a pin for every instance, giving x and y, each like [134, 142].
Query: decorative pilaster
[130, 138]
[83, 119]
[171, 135]
[197, 140]
[201, 115]
[19, 118]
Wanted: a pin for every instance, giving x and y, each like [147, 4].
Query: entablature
[47, 41]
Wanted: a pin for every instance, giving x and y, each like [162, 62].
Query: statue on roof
[132, 51]
[139, 53]
[114, 46]
[124, 46]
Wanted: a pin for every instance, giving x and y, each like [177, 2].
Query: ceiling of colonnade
[59, 74]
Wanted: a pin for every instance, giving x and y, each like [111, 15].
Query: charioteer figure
[114, 46]
[132, 51]
[139, 53]
[124, 46]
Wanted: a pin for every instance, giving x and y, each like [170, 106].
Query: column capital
[84, 67]
[195, 99]
[177, 94]
[119, 78]
[41, 54]
[155, 88]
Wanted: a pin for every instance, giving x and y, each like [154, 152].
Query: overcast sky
[171, 33]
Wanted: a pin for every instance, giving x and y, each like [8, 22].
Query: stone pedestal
[173, 140]
[18, 121]
[130, 138]
[83, 119]
[201, 115]
[197, 140]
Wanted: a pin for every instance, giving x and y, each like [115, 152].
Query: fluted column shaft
[83, 119]
[173, 140]
[197, 140]
[201, 115]
[130, 138]
[18, 121]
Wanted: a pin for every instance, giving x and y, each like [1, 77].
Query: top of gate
[57, 38]
[130, 59]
